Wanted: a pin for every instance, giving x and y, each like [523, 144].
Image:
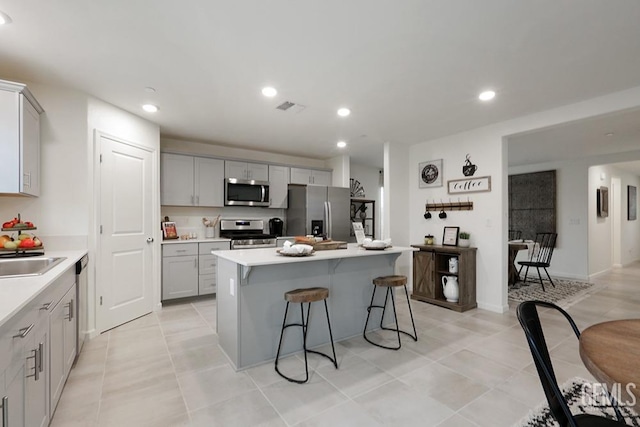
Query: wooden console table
[431, 263]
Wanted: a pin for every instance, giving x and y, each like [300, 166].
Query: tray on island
[294, 254]
[376, 248]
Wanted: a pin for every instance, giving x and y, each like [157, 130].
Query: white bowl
[377, 244]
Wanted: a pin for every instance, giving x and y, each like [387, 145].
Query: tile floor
[470, 369]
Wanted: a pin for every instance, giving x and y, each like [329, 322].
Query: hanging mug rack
[447, 206]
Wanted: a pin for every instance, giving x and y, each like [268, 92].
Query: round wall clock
[430, 173]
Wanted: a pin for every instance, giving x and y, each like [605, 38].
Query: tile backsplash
[189, 219]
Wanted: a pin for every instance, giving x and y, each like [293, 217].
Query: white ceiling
[410, 70]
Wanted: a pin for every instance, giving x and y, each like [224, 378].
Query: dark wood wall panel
[532, 203]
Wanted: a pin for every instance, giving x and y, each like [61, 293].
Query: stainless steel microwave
[245, 192]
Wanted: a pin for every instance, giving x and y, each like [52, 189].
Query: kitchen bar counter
[16, 293]
[250, 297]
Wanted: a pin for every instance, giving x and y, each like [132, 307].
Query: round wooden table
[611, 352]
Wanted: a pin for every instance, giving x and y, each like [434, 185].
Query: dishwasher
[81, 303]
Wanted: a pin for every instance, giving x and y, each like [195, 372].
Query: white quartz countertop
[269, 256]
[17, 292]
[174, 241]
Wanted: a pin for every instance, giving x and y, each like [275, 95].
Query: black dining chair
[515, 234]
[527, 313]
[540, 257]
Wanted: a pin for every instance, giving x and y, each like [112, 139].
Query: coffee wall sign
[469, 185]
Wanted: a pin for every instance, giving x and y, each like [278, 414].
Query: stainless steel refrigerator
[319, 210]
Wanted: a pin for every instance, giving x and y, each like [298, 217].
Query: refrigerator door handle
[330, 221]
[326, 218]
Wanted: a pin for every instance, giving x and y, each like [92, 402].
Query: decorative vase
[363, 214]
[464, 243]
[453, 265]
[450, 288]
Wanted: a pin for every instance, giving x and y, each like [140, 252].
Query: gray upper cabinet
[310, 176]
[278, 182]
[20, 136]
[191, 181]
[246, 170]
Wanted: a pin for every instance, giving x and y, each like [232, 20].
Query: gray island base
[250, 298]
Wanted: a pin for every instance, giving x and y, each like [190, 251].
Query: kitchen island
[250, 298]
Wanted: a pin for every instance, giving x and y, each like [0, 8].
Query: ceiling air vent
[285, 105]
[291, 106]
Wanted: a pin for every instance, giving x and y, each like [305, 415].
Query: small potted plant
[463, 239]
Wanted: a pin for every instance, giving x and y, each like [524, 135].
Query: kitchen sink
[22, 267]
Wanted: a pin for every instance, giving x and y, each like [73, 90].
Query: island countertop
[270, 256]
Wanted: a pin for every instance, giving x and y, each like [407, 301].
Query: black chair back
[545, 243]
[515, 234]
[527, 313]
[530, 321]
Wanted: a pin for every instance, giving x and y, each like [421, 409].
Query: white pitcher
[453, 265]
[450, 288]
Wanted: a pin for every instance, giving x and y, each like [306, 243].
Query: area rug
[565, 293]
[583, 398]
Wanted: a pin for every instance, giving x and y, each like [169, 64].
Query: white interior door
[125, 279]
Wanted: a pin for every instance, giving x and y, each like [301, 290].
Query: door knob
[149, 239]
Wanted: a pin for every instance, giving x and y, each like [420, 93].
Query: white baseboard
[599, 273]
[494, 308]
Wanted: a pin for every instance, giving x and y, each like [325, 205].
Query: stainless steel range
[246, 234]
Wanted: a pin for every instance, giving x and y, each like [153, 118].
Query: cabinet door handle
[71, 310]
[35, 357]
[5, 411]
[40, 352]
[197, 200]
[46, 306]
[181, 250]
[27, 179]
[195, 263]
[24, 331]
[192, 200]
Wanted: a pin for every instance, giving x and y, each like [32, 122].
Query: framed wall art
[602, 202]
[632, 203]
[169, 230]
[450, 236]
[469, 185]
[430, 174]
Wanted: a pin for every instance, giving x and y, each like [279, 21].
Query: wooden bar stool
[301, 296]
[390, 282]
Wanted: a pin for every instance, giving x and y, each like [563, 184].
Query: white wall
[341, 170]
[369, 178]
[488, 221]
[601, 230]
[484, 222]
[570, 257]
[394, 204]
[61, 213]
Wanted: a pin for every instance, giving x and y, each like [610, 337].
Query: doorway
[125, 249]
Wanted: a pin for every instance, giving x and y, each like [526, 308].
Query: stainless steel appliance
[319, 210]
[246, 234]
[275, 226]
[82, 302]
[246, 192]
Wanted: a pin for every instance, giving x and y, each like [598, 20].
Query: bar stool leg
[415, 333]
[305, 324]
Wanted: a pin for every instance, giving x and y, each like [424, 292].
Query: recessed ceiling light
[341, 144]
[344, 112]
[487, 95]
[4, 18]
[150, 108]
[269, 91]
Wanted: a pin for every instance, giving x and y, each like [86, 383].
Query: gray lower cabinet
[179, 270]
[189, 269]
[63, 343]
[207, 281]
[29, 344]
